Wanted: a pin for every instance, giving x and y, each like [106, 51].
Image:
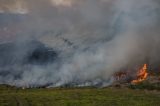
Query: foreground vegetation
[146, 86]
[11, 96]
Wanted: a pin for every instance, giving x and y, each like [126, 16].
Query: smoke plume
[86, 41]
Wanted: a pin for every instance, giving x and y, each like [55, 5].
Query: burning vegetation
[126, 76]
[142, 75]
[120, 76]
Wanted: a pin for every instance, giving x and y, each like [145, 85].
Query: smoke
[13, 6]
[92, 38]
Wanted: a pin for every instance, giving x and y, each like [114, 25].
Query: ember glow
[142, 75]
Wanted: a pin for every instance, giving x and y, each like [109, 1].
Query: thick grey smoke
[91, 39]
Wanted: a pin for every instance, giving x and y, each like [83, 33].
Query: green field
[78, 97]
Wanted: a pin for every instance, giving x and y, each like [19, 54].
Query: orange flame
[141, 75]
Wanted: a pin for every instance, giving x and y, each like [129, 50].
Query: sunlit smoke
[62, 2]
[12, 6]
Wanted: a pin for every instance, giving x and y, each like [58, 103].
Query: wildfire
[141, 75]
[120, 76]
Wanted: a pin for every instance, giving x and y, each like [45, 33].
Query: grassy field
[78, 97]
